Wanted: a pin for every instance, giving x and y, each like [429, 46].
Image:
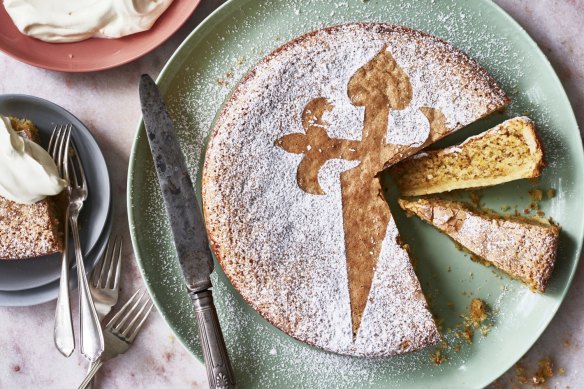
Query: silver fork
[91, 336]
[122, 329]
[105, 280]
[63, 332]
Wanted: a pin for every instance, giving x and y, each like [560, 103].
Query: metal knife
[188, 230]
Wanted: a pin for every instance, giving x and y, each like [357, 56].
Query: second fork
[92, 343]
[63, 331]
[104, 284]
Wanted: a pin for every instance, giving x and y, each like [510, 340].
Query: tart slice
[29, 230]
[524, 248]
[507, 152]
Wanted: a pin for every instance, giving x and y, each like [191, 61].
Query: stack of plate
[36, 280]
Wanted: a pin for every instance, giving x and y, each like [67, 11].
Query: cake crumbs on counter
[544, 372]
[536, 376]
[566, 343]
[521, 373]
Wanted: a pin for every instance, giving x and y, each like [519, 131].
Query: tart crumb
[475, 198]
[536, 194]
[467, 334]
[551, 193]
[437, 357]
[478, 312]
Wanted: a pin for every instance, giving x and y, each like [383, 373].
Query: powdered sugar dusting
[401, 124]
[392, 305]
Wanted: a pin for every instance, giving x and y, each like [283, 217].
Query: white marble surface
[107, 102]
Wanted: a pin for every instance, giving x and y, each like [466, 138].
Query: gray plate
[28, 274]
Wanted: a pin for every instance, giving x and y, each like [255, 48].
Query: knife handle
[219, 369]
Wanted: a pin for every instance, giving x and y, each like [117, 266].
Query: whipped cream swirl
[28, 173]
[62, 21]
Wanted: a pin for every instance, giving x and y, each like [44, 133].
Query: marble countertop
[110, 108]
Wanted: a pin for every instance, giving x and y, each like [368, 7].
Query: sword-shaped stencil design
[379, 86]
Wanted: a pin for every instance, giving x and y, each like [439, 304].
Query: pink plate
[92, 54]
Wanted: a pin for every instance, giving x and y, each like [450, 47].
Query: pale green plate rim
[165, 78]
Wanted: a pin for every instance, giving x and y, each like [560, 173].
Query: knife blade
[188, 229]
[186, 221]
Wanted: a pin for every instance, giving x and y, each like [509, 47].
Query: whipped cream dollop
[75, 20]
[27, 172]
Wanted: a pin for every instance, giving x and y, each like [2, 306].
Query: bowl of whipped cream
[87, 35]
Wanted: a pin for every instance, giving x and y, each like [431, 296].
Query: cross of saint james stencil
[379, 86]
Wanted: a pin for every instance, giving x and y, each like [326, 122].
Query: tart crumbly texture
[510, 151]
[291, 195]
[524, 248]
[29, 230]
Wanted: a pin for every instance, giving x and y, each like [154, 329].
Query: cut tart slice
[507, 152]
[29, 230]
[524, 248]
[291, 195]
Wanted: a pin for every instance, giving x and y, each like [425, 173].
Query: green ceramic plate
[197, 80]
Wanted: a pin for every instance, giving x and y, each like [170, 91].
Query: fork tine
[106, 263]
[55, 145]
[131, 313]
[80, 166]
[64, 152]
[113, 278]
[138, 315]
[53, 140]
[140, 323]
[125, 309]
[74, 169]
[97, 271]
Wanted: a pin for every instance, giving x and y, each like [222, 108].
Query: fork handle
[95, 366]
[63, 331]
[219, 371]
[91, 336]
